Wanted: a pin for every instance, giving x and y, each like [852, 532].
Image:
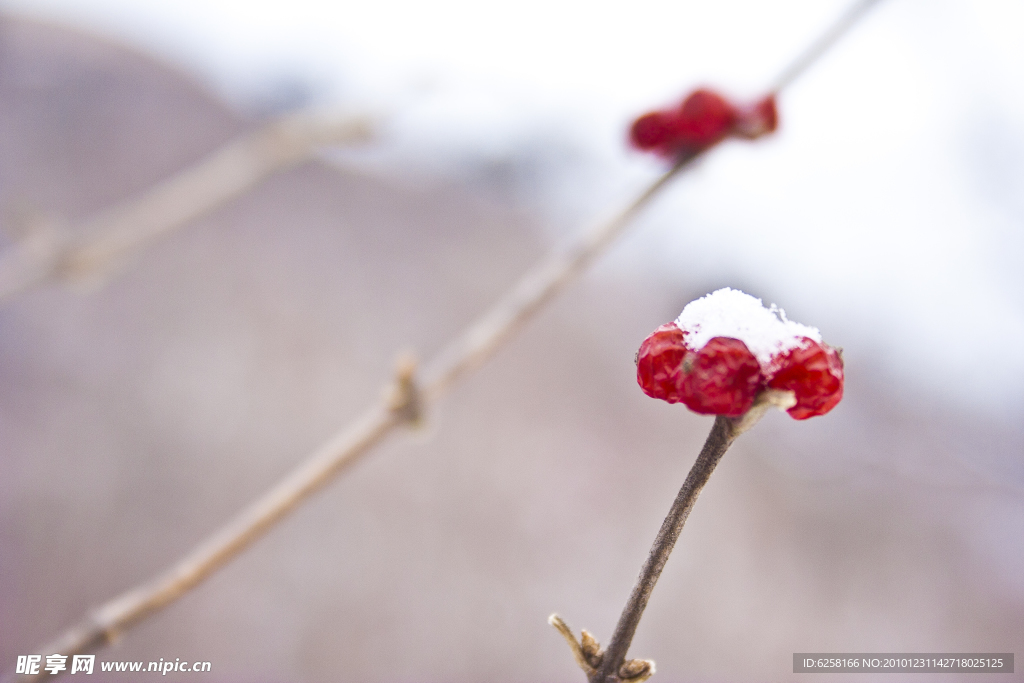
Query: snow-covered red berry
[814, 373]
[659, 363]
[722, 378]
[726, 348]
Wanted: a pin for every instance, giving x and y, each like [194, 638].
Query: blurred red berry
[758, 119]
[814, 372]
[659, 363]
[652, 131]
[703, 119]
[723, 378]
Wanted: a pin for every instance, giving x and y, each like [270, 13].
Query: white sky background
[888, 211]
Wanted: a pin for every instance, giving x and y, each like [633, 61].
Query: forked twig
[610, 666]
[52, 252]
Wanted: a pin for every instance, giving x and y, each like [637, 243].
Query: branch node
[403, 396]
[106, 626]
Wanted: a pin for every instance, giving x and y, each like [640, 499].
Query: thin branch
[107, 622]
[723, 433]
[470, 349]
[853, 14]
[405, 403]
[718, 442]
[53, 252]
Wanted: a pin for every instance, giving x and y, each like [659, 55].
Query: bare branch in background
[52, 251]
[403, 403]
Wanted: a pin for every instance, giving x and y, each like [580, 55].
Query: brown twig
[718, 441]
[403, 403]
[110, 620]
[53, 252]
[610, 666]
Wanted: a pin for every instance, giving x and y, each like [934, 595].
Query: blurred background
[138, 413]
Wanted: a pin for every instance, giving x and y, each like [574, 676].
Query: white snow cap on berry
[732, 313]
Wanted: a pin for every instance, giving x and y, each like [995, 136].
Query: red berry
[758, 119]
[814, 372]
[652, 131]
[659, 363]
[723, 378]
[703, 119]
